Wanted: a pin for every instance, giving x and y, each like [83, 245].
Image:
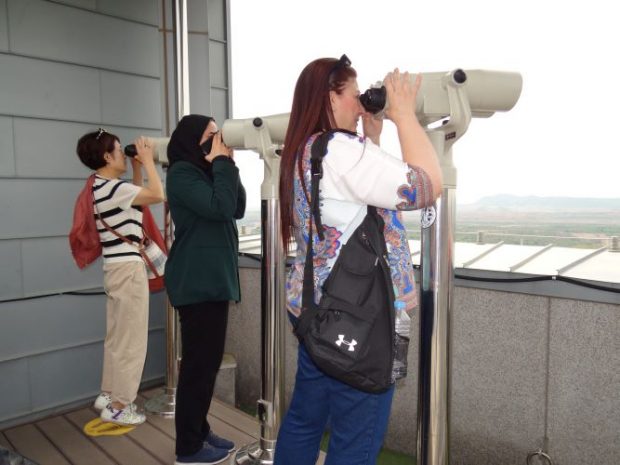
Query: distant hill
[534, 203]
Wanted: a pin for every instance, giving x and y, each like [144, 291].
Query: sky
[558, 140]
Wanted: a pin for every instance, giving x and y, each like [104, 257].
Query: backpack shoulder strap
[318, 152]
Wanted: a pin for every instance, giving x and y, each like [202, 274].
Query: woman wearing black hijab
[205, 196]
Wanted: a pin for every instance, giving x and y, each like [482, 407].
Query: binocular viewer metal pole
[164, 403]
[260, 134]
[471, 93]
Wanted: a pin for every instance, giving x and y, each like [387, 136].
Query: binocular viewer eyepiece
[130, 150]
[373, 99]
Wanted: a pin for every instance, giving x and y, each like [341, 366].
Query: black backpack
[350, 333]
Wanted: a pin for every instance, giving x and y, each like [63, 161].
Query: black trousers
[203, 334]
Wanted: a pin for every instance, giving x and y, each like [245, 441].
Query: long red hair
[311, 112]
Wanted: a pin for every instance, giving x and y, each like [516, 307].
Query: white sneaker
[128, 416]
[102, 401]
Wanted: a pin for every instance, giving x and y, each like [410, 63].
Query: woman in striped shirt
[117, 206]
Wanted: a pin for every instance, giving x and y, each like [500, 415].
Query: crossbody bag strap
[116, 233]
[307, 296]
[140, 245]
[319, 147]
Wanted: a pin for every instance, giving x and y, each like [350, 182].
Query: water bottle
[401, 339]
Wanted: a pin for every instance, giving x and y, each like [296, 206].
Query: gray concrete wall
[523, 368]
[67, 67]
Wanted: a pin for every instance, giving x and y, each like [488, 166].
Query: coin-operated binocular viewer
[452, 98]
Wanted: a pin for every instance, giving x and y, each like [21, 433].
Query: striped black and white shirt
[113, 198]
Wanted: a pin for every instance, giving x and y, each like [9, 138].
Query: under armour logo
[341, 340]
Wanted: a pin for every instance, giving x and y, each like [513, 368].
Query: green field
[590, 230]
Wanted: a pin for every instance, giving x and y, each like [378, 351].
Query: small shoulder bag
[350, 333]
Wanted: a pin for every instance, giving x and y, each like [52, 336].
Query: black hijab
[183, 145]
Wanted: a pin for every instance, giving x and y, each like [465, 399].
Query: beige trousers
[127, 321]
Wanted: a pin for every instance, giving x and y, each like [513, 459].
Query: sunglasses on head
[101, 131]
[341, 63]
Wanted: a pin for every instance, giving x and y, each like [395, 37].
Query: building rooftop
[601, 264]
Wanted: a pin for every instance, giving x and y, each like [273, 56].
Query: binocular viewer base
[258, 453]
[162, 404]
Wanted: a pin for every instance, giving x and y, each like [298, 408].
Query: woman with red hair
[357, 173]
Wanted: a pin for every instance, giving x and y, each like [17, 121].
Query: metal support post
[436, 286]
[164, 404]
[273, 321]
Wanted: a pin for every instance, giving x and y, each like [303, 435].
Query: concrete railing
[527, 372]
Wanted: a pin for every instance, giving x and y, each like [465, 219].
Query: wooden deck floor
[59, 440]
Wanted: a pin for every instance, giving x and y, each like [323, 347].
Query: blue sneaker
[221, 443]
[207, 455]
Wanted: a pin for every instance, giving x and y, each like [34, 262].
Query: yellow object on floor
[97, 427]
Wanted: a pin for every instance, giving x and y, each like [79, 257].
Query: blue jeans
[357, 420]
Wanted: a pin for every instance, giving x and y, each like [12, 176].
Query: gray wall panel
[55, 323]
[130, 100]
[498, 375]
[81, 373]
[146, 11]
[52, 31]
[217, 19]
[219, 105]
[584, 383]
[197, 16]
[15, 399]
[7, 158]
[10, 271]
[66, 275]
[51, 323]
[49, 90]
[218, 64]
[65, 337]
[4, 34]
[199, 75]
[65, 376]
[52, 152]
[45, 207]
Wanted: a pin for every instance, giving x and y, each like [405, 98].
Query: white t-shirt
[113, 199]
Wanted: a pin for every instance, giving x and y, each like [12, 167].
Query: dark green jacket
[203, 261]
